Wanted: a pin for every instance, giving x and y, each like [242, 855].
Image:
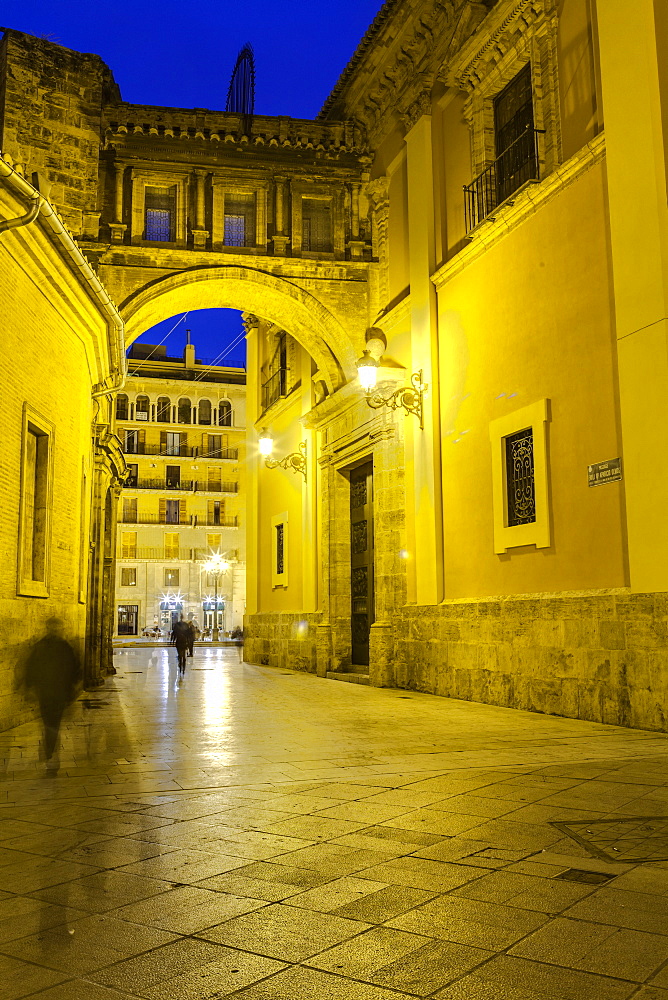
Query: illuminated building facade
[480, 206]
[182, 426]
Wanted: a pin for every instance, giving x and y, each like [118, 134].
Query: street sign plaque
[605, 472]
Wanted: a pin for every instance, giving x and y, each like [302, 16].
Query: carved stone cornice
[421, 106]
[497, 35]
[399, 60]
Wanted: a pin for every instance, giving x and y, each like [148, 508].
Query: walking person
[53, 673]
[191, 637]
[180, 638]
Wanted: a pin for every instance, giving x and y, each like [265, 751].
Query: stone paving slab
[267, 835]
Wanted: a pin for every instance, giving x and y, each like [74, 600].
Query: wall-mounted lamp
[409, 397]
[295, 461]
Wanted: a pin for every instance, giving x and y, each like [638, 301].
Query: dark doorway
[127, 619]
[361, 561]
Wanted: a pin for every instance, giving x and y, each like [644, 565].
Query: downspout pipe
[22, 220]
[39, 206]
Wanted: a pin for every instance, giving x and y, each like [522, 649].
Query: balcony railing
[176, 451]
[185, 485]
[191, 520]
[510, 171]
[144, 553]
[274, 388]
[179, 451]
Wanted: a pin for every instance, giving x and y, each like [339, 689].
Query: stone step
[336, 675]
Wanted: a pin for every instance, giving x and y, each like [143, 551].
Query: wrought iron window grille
[520, 485]
[517, 166]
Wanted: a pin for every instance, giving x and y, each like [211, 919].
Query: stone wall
[282, 640]
[596, 655]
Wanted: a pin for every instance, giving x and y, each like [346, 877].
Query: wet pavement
[263, 834]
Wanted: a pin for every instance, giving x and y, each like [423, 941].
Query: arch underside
[277, 300]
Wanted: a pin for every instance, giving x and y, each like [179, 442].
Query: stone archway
[273, 298]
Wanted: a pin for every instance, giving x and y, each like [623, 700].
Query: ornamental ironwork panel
[279, 549]
[360, 536]
[358, 494]
[520, 484]
[360, 582]
[360, 629]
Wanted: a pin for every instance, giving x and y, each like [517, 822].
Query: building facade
[62, 465]
[479, 213]
[182, 426]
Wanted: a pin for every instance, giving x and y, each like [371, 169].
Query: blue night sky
[182, 55]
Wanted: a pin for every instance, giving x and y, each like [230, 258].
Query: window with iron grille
[160, 211]
[129, 576]
[171, 578]
[280, 563]
[520, 484]
[122, 407]
[514, 135]
[316, 224]
[239, 220]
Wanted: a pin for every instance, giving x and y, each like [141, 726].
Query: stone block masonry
[596, 655]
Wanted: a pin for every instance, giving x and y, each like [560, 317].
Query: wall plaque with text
[605, 472]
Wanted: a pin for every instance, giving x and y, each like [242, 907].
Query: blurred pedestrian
[180, 638]
[53, 672]
[191, 638]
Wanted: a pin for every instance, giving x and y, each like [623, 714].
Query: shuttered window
[316, 224]
[130, 510]
[129, 544]
[171, 545]
[215, 511]
[213, 542]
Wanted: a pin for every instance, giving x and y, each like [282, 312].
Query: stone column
[636, 139]
[310, 535]
[323, 648]
[423, 455]
[280, 239]
[251, 324]
[200, 233]
[355, 245]
[381, 655]
[117, 227]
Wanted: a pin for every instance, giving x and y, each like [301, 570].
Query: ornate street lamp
[296, 461]
[409, 397]
[214, 567]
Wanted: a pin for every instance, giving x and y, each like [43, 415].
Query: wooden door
[361, 561]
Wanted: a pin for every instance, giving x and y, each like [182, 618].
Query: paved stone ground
[266, 835]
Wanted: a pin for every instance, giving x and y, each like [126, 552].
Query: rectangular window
[280, 537]
[128, 545]
[514, 136]
[172, 511]
[131, 479]
[173, 477]
[131, 446]
[520, 486]
[172, 443]
[215, 445]
[130, 510]
[316, 224]
[35, 506]
[213, 542]
[214, 478]
[239, 220]
[122, 407]
[160, 207]
[171, 578]
[171, 545]
[127, 619]
[129, 576]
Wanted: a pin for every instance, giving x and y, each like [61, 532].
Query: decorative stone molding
[419, 107]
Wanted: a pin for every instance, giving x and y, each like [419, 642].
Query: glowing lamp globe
[265, 444]
[367, 369]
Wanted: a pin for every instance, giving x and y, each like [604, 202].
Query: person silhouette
[53, 672]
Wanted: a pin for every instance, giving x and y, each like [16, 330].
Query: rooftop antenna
[241, 93]
[187, 336]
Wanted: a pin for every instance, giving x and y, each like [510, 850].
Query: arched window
[184, 411]
[225, 413]
[122, 408]
[204, 411]
[164, 410]
[142, 408]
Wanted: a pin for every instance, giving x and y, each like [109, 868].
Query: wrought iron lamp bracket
[295, 461]
[410, 397]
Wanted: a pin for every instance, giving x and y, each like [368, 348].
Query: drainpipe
[22, 220]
